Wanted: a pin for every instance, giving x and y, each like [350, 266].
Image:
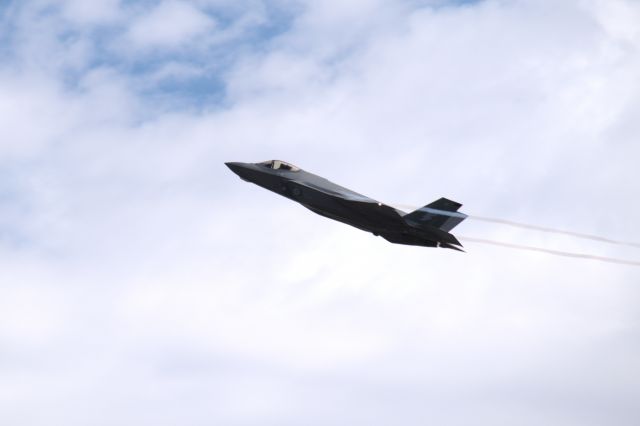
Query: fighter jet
[428, 226]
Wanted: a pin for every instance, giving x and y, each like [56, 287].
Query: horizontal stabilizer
[450, 246]
[442, 214]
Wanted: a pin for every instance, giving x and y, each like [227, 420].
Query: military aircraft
[428, 226]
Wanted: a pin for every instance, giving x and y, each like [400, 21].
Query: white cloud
[142, 282]
[93, 12]
[169, 25]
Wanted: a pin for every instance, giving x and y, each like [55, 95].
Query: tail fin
[442, 214]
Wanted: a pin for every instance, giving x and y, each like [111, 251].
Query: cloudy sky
[141, 282]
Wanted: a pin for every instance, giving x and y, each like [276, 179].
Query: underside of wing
[375, 212]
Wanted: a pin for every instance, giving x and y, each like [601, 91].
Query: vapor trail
[554, 252]
[555, 231]
[541, 228]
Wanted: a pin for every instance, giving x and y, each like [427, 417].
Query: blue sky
[142, 282]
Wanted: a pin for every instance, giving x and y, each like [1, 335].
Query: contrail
[541, 229]
[554, 252]
[555, 231]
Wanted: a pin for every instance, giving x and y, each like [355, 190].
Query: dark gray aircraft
[428, 226]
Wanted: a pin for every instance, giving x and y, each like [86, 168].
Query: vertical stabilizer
[442, 214]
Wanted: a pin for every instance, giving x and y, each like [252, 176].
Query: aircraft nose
[235, 166]
[244, 170]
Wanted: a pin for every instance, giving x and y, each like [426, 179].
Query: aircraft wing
[327, 191]
[359, 204]
[373, 210]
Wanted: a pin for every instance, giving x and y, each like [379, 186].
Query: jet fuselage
[336, 202]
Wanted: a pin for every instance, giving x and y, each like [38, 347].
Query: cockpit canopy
[279, 165]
